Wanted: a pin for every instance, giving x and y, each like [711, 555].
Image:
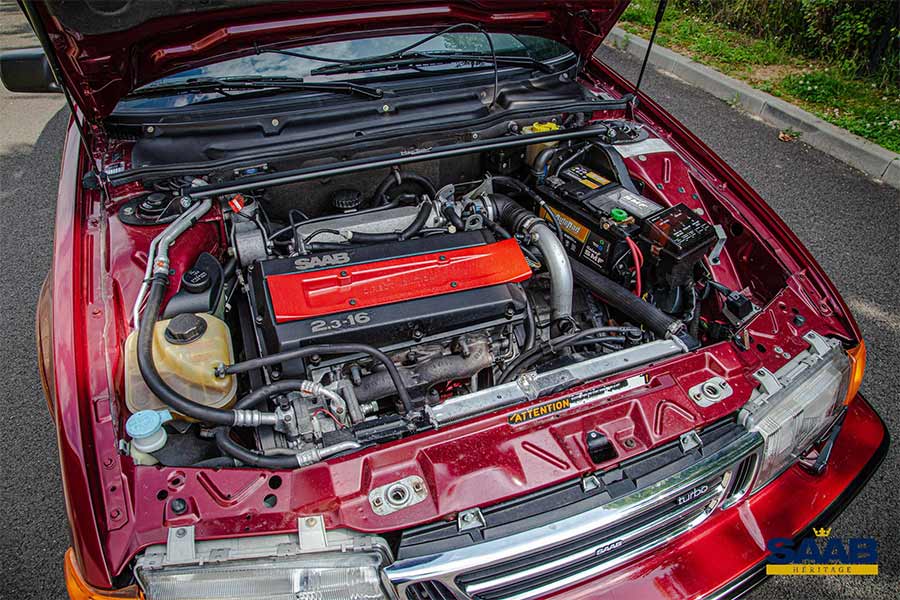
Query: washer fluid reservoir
[186, 350]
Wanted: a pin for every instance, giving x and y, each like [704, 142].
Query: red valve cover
[355, 286]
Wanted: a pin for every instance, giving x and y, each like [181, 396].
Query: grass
[864, 107]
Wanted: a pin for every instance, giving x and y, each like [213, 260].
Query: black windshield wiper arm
[226, 84]
[388, 63]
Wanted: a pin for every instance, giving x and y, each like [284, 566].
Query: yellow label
[598, 178]
[830, 569]
[541, 410]
[588, 183]
[569, 225]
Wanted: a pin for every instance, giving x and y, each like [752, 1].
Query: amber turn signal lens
[79, 589]
[857, 369]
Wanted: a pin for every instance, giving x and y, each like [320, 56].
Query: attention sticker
[541, 410]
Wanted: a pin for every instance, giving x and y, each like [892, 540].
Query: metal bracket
[470, 519]
[527, 383]
[590, 483]
[180, 545]
[690, 440]
[721, 238]
[767, 381]
[817, 344]
[313, 537]
[711, 391]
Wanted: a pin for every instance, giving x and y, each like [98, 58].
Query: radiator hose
[661, 324]
[163, 391]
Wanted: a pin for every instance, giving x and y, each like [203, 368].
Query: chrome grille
[535, 563]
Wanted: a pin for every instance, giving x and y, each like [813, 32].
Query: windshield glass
[268, 63]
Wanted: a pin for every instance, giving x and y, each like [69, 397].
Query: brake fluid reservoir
[186, 350]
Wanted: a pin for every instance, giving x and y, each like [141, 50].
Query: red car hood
[107, 48]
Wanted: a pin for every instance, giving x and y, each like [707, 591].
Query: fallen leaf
[787, 136]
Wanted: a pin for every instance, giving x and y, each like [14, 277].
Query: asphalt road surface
[849, 222]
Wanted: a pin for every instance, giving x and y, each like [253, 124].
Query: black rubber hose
[267, 391]
[530, 326]
[151, 376]
[411, 230]
[272, 359]
[454, 219]
[625, 301]
[232, 448]
[380, 196]
[516, 185]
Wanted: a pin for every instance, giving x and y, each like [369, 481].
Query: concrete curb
[870, 158]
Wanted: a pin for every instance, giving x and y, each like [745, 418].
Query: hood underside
[107, 48]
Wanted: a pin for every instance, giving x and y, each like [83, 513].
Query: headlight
[793, 407]
[351, 576]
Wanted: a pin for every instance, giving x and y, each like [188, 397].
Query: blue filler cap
[146, 423]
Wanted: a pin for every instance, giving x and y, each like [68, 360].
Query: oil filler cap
[185, 329]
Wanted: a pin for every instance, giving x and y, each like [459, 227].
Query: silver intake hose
[562, 283]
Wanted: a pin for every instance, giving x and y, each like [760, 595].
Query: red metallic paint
[113, 506]
[732, 541]
[301, 295]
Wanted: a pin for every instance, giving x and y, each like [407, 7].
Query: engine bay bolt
[128, 210]
[799, 320]
[386, 108]
[377, 501]
[453, 284]
[417, 486]
[417, 334]
[275, 122]
[315, 359]
[352, 301]
[343, 273]
[178, 506]
[310, 522]
[468, 517]
[259, 319]
[151, 129]
[630, 443]
[442, 258]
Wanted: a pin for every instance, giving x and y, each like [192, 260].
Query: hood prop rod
[660, 11]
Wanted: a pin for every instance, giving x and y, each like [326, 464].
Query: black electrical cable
[558, 343]
[375, 353]
[542, 351]
[151, 376]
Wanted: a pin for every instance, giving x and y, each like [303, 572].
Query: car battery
[596, 215]
[678, 239]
